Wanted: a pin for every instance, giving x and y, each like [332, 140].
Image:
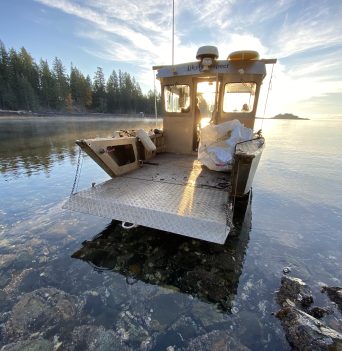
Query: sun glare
[205, 121]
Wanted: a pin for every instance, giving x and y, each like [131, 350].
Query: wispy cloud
[139, 32]
[314, 27]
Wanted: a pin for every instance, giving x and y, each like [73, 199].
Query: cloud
[314, 27]
[139, 32]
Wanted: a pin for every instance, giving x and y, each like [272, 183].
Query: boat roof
[218, 67]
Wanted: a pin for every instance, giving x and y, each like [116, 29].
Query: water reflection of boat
[205, 270]
[157, 180]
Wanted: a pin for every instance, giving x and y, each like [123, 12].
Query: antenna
[155, 99]
[173, 32]
[268, 91]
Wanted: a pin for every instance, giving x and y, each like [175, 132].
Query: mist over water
[148, 289]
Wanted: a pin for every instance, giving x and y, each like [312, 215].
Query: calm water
[143, 289]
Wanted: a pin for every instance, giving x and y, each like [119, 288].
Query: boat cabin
[209, 90]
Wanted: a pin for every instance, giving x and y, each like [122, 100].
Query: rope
[268, 91]
[78, 172]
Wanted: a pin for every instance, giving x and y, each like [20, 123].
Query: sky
[304, 35]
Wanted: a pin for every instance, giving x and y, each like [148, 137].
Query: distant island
[288, 116]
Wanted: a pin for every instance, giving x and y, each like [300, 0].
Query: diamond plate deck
[174, 194]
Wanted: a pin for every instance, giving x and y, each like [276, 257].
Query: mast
[173, 32]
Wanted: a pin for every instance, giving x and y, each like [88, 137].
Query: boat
[158, 179]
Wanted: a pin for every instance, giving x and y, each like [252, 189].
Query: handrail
[246, 141]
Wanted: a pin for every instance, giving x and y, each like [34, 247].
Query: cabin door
[205, 105]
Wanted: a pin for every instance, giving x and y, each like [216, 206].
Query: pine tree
[112, 89]
[99, 91]
[6, 95]
[68, 102]
[13, 75]
[28, 81]
[81, 91]
[62, 83]
[25, 85]
[48, 86]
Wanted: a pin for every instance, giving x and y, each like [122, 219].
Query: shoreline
[7, 114]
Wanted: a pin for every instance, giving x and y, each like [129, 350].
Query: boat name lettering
[200, 67]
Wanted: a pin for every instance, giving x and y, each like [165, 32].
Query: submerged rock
[93, 338]
[217, 340]
[319, 312]
[130, 327]
[40, 310]
[186, 328]
[29, 345]
[207, 315]
[25, 281]
[3, 300]
[296, 290]
[305, 332]
[335, 294]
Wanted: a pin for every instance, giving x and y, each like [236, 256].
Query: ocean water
[68, 279]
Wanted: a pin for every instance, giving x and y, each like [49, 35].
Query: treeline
[26, 85]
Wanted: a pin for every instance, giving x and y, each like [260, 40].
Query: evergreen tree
[6, 95]
[68, 102]
[25, 85]
[62, 83]
[28, 81]
[112, 89]
[48, 86]
[99, 91]
[80, 88]
[120, 92]
[88, 92]
[13, 75]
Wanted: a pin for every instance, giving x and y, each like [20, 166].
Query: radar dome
[207, 51]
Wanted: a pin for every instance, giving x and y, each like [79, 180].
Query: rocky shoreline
[303, 324]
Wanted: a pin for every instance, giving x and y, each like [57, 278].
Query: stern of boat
[246, 160]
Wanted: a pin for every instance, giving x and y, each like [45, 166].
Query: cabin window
[239, 97]
[177, 98]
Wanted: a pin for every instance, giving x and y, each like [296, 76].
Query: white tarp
[217, 143]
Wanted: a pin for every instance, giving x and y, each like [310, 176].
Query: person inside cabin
[245, 108]
[197, 125]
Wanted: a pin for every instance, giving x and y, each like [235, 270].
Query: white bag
[217, 144]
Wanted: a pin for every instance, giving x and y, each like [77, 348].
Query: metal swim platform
[173, 193]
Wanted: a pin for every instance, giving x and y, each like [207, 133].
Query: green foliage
[48, 86]
[24, 85]
[81, 90]
[99, 91]
[62, 83]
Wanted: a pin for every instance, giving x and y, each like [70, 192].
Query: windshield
[239, 97]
